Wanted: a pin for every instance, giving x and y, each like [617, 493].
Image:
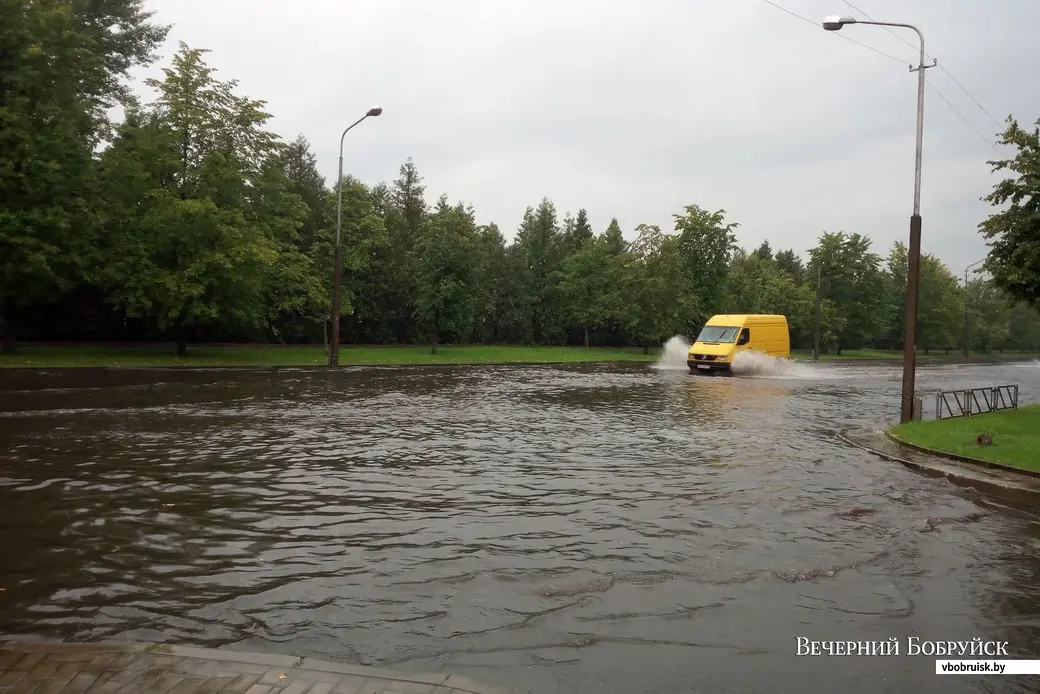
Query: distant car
[725, 335]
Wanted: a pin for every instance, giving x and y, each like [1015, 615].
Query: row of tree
[190, 220]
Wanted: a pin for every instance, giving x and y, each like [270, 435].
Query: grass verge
[1015, 434]
[394, 355]
[897, 355]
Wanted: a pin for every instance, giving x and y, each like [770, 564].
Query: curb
[960, 479]
[962, 458]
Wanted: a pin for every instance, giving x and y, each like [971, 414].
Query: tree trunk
[586, 337]
[436, 329]
[646, 347]
[8, 317]
[182, 338]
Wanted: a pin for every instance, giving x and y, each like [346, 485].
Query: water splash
[751, 364]
[673, 355]
[761, 365]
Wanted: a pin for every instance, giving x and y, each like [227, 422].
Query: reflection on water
[561, 529]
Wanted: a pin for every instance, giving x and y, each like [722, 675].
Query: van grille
[704, 357]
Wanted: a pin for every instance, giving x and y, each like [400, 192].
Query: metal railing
[969, 401]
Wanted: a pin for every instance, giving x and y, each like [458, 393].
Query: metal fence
[965, 403]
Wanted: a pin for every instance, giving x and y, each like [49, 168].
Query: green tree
[613, 238]
[574, 233]
[990, 317]
[940, 304]
[62, 66]
[1014, 232]
[662, 304]
[706, 244]
[490, 284]
[300, 166]
[585, 285]
[299, 289]
[209, 211]
[1023, 328]
[853, 279]
[538, 241]
[363, 238]
[790, 263]
[759, 284]
[447, 271]
[406, 214]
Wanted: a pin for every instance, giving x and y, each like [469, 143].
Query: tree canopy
[191, 220]
[1014, 232]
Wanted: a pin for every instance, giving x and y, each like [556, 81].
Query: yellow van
[723, 336]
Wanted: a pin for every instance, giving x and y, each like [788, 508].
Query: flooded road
[566, 530]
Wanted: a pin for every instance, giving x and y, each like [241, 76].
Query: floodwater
[556, 529]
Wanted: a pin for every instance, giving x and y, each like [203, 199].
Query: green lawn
[391, 355]
[897, 355]
[1016, 436]
[367, 355]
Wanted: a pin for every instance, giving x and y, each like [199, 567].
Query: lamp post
[906, 410]
[338, 262]
[967, 345]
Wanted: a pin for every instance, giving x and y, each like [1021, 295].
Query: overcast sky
[634, 109]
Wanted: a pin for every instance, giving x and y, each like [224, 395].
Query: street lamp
[334, 341]
[966, 343]
[906, 410]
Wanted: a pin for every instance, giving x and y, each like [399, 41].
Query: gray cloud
[634, 109]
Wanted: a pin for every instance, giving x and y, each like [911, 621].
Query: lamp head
[374, 111]
[835, 23]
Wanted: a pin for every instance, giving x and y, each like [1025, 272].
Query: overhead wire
[941, 66]
[898, 60]
[841, 36]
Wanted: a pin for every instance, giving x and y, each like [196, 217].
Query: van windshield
[718, 333]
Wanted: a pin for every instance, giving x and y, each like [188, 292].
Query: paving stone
[300, 686]
[29, 661]
[50, 687]
[130, 668]
[23, 686]
[242, 683]
[81, 683]
[10, 677]
[8, 659]
[350, 685]
[42, 671]
[411, 687]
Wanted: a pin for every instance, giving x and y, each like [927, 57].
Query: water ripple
[563, 529]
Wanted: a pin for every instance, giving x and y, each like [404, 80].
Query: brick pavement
[107, 668]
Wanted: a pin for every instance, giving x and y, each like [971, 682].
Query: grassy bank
[55, 356]
[897, 355]
[1015, 433]
[392, 355]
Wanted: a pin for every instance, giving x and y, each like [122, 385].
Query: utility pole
[816, 339]
[906, 405]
